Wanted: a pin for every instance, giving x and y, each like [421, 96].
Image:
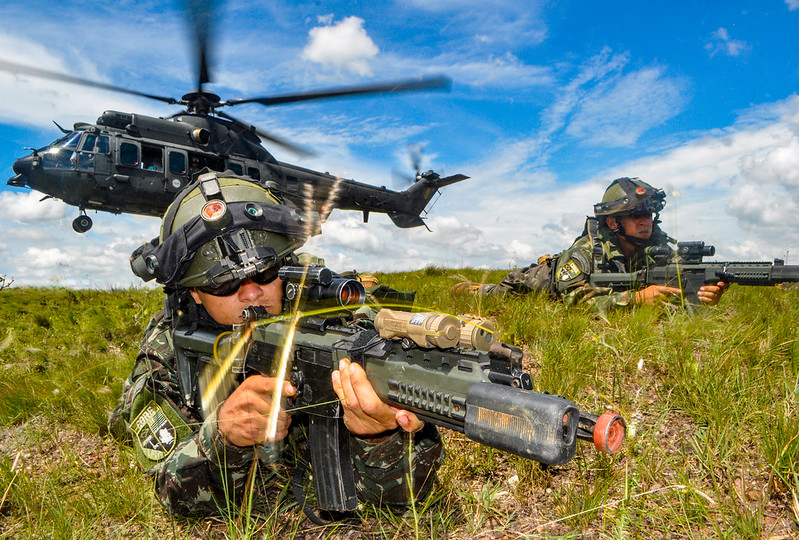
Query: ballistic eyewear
[227, 288]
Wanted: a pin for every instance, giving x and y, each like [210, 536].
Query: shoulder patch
[153, 432]
[569, 271]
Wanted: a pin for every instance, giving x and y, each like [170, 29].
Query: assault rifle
[684, 268]
[447, 371]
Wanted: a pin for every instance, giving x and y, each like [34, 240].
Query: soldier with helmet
[617, 239]
[221, 245]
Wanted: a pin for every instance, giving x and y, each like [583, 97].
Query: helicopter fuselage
[136, 164]
[132, 163]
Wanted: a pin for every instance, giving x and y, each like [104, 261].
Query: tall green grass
[710, 400]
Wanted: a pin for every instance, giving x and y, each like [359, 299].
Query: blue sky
[550, 102]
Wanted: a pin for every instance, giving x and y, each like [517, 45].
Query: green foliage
[711, 401]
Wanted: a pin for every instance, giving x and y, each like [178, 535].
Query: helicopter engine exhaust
[201, 136]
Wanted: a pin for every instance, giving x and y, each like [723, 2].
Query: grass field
[710, 400]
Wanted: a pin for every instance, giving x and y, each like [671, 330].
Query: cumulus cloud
[764, 206]
[343, 46]
[344, 230]
[51, 253]
[792, 4]
[29, 208]
[721, 43]
[779, 165]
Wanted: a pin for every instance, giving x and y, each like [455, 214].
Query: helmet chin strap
[637, 242]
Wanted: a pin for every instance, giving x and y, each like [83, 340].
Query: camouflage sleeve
[600, 299]
[203, 475]
[572, 274]
[196, 472]
[399, 469]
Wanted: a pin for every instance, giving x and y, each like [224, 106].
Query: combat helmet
[220, 228]
[627, 196]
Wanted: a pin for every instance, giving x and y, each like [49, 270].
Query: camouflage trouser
[536, 277]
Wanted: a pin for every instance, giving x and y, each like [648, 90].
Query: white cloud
[792, 4]
[28, 207]
[35, 257]
[772, 208]
[603, 106]
[51, 253]
[502, 22]
[619, 111]
[344, 230]
[344, 46]
[721, 43]
[505, 70]
[779, 165]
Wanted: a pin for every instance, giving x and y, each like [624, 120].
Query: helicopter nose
[23, 168]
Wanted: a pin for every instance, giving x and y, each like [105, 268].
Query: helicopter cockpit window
[177, 163]
[71, 141]
[152, 158]
[129, 154]
[61, 153]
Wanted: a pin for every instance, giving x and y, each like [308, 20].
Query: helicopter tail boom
[404, 208]
[420, 194]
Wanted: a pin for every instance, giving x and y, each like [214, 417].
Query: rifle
[448, 372]
[685, 269]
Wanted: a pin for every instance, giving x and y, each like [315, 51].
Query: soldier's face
[635, 225]
[227, 309]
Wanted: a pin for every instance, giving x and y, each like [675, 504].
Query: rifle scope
[694, 251]
[318, 286]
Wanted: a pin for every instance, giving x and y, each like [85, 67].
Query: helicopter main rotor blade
[431, 83]
[268, 136]
[201, 13]
[52, 75]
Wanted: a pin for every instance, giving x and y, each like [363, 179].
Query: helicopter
[133, 163]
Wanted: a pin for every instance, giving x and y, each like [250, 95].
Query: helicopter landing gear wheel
[609, 432]
[82, 223]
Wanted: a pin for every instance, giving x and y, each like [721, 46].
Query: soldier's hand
[711, 294]
[365, 413]
[243, 418]
[655, 294]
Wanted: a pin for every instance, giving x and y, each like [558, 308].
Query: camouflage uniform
[596, 250]
[576, 264]
[534, 278]
[198, 473]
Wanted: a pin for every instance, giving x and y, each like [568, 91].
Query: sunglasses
[227, 288]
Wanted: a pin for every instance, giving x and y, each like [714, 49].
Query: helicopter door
[94, 155]
[130, 164]
[177, 177]
[152, 167]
